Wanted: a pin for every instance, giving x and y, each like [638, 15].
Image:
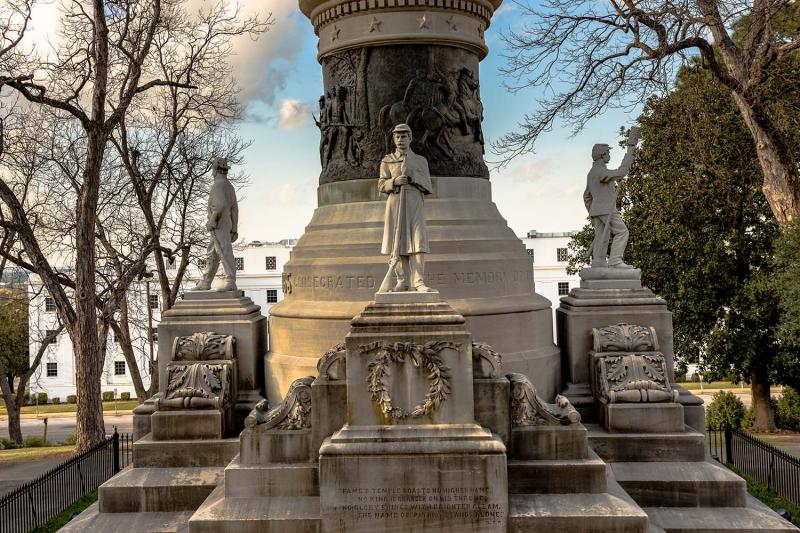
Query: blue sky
[538, 191]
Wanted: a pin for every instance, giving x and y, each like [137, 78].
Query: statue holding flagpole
[405, 179]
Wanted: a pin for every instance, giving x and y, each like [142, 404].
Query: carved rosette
[633, 378]
[486, 362]
[625, 338]
[203, 346]
[331, 365]
[294, 413]
[425, 356]
[528, 409]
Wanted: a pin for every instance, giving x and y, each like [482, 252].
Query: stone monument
[222, 224]
[405, 180]
[384, 63]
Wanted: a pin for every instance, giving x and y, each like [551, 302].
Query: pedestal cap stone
[611, 278]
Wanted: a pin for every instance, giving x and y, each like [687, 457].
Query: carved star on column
[452, 23]
[375, 25]
[423, 22]
[336, 31]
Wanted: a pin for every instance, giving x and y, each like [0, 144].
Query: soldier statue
[223, 218]
[405, 179]
[600, 198]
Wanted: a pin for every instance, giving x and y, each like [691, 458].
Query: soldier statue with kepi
[222, 224]
[600, 198]
[405, 179]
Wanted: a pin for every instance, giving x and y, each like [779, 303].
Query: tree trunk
[123, 333]
[781, 179]
[14, 427]
[759, 390]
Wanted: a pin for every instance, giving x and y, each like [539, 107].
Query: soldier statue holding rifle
[405, 179]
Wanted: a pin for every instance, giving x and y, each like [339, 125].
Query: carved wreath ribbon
[421, 356]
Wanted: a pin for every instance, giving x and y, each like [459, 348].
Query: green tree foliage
[14, 332]
[703, 234]
[725, 410]
[787, 410]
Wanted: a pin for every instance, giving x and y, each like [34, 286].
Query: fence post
[115, 448]
[728, 445]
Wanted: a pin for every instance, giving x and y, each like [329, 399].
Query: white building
[259, 266]
[549, 252]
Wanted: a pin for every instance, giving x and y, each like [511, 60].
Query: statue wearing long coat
[404, 222]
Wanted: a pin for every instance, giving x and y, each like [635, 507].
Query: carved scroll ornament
[293, 413]
[625, 338]
[425, 356]
[528, 409]
[483, 352]
[197, 386]
[331, 365]
[634, 378]
[203, 346]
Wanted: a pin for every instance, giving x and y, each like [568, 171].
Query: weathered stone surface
[557, 476]
[141, 417]
[492, 405]
[186, 425]
[263, 446]
[549, 442]
[330, 410]
[148, 453]
[574, 513]
[647, 447]
[281, 514]
[642, 418]
[147, 490]
[717, 520]
[93, 521]
[271, 480]
[681, 484]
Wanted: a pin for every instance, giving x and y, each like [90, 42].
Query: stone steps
[267, 481]
[574, 513]
[557, 476]
[647, 447]
[278, 514]
[716, 520]
[93, 521]
[149, 453]
[149, 490]
[680, 484]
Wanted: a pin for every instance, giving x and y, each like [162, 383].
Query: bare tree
[103, 66]
[590, 56]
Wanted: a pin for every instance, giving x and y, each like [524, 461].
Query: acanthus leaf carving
[528, 409]
[633, 378]
[331, 365]
[483, 352]
[203, 346]
[294, 412]
[625, 338]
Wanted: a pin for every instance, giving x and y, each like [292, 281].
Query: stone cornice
[310, 8]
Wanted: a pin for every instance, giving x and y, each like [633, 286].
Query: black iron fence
[758, 459]
[37, 501]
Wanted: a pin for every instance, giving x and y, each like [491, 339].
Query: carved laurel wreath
[425, 356]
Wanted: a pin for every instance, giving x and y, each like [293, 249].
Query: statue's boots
[423, 288]
[230, 285]
[202, 285]
[621, 265]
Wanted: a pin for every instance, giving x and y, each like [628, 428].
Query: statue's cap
[598, 150]
[402, 127]
[219, 162]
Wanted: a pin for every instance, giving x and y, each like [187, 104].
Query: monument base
[444, 478]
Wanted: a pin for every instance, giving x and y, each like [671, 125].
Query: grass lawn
[56, 523]
[70, 408]
[37, 454]
[769, 497]
[714, 385]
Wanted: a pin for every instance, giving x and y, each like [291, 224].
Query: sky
[281, 80]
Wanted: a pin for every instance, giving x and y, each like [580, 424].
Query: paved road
[60, 429]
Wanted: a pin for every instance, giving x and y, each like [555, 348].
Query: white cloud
[293, 114]
[287, 193]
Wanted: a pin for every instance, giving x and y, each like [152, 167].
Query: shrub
[749, 418]
[72, 398]
[41, 398]
[695, 378]
[108, 396]
[725, 410]
[55, 400]
[26, 398]
[9, 444]
[125, 396]
[787, 410]
[680, 378]
[35, 442]
[70, 441]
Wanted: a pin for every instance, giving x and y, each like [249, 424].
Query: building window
[49, 305]
[202, 263]
[153, 335]
[52, 370]
[563, 288]
[119, 368]
[272, 296]
[239, 263]
[153, 301]
[530, 252]
[272, 262]
[561, 254]
[116, 339]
